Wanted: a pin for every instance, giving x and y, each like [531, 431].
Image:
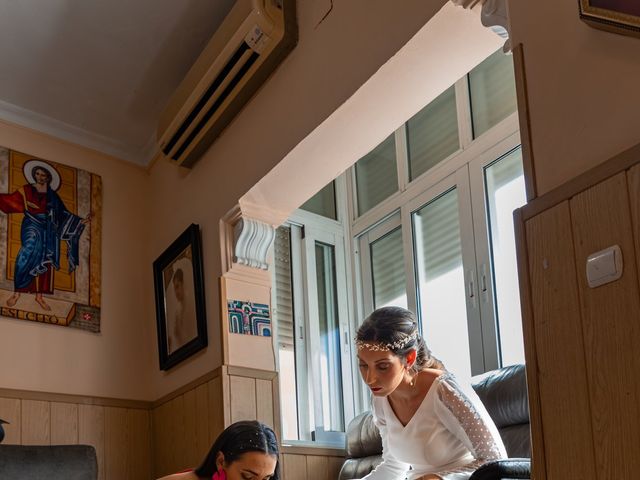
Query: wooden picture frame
[617, 16]
[179, 295]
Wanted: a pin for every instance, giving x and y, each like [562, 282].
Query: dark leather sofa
[55, 462]
[504, 394]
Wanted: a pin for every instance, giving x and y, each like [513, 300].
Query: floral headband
[385, 347]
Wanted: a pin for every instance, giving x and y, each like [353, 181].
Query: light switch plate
[604, 266]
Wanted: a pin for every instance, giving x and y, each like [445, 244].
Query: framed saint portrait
[180, 306]
[618, 16]
[50, 242]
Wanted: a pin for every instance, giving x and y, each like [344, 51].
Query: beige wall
[144, 213]
[116, 362]
[583, 89]
[331, 61]
[579, 79]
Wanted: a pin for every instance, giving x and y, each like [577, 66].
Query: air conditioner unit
[252, 40]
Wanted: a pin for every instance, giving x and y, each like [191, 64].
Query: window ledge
[310, 448]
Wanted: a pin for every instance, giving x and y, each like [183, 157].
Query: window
[428, 226]
[504, 180]
[493, 92]
[312, 329]
[323, 203]
[376, 175]
[445, 246]
[432, 134]
[383, 265]
[440, 279]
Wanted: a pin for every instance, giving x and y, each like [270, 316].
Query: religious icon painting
[50, 242]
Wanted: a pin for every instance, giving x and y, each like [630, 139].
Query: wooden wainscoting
[137, 440]
[120, 430]
[251, 394]
[185, 423]
[310, 463]
[581, 342]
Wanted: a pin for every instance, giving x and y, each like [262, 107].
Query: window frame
[307, 228]
[465, 165]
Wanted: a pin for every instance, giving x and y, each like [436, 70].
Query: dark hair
[41, 168]
[388, 325]
[238, 439]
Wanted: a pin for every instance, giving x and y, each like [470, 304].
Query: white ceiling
[99, 72]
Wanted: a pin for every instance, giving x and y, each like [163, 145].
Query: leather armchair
[504, 394]
[55, 462]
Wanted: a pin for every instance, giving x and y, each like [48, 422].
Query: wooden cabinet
[581, 343]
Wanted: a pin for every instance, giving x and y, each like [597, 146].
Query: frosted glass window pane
[441, 287]
[376, 175]
[330, 358]
[387, 271]
[505, 192]
[323, 203]
[432, 134]
[493, 92]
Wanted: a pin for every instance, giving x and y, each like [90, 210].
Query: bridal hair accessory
[385, 347]
[219, 475]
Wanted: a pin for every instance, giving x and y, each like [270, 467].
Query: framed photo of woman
[180, 305]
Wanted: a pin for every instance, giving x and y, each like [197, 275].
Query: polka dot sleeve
[464, 415]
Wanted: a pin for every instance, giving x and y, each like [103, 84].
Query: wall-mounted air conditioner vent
[248, 46]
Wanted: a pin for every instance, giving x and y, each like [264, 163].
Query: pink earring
[219, 475]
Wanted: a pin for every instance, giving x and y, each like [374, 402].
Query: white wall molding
[494, 14]
[245, 242]
[140, 156]
[252, 239]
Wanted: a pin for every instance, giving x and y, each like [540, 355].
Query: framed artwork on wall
[618, 16]
[180, 305]
[50, 242]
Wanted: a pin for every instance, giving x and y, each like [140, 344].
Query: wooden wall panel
[91, 432]
[191, 456]
[36, 422]
[203, 444]
[216, 408]
[294, 467]
[317, 467]
[116, 443]
[335, 464]
[175, 422]
[184, 427]
[562, 378]
[264, 402]
[161, 440]
[10, 411]
[140, 467]
[633, 180]
[64, 423]
[243, 398]
[601, 218]
[298, 466]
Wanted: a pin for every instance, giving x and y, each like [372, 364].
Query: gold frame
[609, 20]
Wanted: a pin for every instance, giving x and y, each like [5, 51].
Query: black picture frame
[617, 16]
[180, 302]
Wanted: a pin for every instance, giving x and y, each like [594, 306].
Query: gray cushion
[504, 393]
[55, 462]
